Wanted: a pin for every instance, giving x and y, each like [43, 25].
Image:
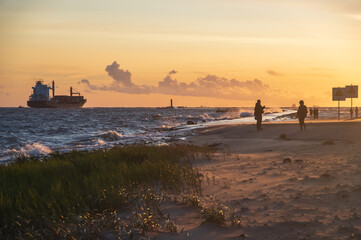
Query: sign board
[338, 94]
[352, 91]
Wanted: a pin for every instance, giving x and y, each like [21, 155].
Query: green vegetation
[79, 194]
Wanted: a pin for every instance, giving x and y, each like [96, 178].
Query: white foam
[100, 142]
[266, 118]
[246, 114]
[34, 149]
[111, 136]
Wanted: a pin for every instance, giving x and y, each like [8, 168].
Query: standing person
[301, 114]
[315, 113]
[351, 112]
[258, 111]
[311, 111]
[356, 112]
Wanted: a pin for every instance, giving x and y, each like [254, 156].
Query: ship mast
[53, 88]
[73, 93]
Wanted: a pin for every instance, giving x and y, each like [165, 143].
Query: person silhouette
[258, 111]
[356, 112]
[301, 114]
[315, 113]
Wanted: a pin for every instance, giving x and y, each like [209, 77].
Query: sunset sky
[141, 53]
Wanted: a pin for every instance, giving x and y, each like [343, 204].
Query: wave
[271, 110]
[57, 130]
[111, 136]
[246, 114]
[99, 142]
[31, 149]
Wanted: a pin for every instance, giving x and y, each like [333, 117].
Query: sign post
[338, 94]
[351, 92]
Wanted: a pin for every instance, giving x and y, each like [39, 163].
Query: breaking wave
[31, 149]
[246, 114]
[111, 136]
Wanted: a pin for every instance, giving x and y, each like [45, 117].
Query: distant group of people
[301, 114]
[352, 111]
[314, 112]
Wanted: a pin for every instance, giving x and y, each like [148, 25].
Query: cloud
[88, 91]
[316, 72]
[274, 73]
[119, 75]
[208, 86]
[86, 82]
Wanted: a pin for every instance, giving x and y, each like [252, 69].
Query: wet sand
[283, 182]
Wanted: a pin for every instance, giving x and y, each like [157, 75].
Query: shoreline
[189, 130]
[278, 183]
[102, 132]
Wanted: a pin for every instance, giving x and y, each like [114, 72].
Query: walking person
[258, 111]
[301, 114]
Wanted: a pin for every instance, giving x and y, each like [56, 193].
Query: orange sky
[295, 50]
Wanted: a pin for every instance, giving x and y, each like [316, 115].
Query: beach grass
[38, 197]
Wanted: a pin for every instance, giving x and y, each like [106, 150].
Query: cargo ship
[40, 98]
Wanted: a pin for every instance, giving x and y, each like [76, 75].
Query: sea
[39, 132]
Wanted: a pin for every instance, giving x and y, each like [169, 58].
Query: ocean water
[27, 131]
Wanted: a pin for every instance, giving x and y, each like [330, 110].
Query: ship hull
[51, 104]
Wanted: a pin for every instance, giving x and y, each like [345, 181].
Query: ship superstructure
[41, 99]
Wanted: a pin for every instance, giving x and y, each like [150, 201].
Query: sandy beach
[283, 183]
